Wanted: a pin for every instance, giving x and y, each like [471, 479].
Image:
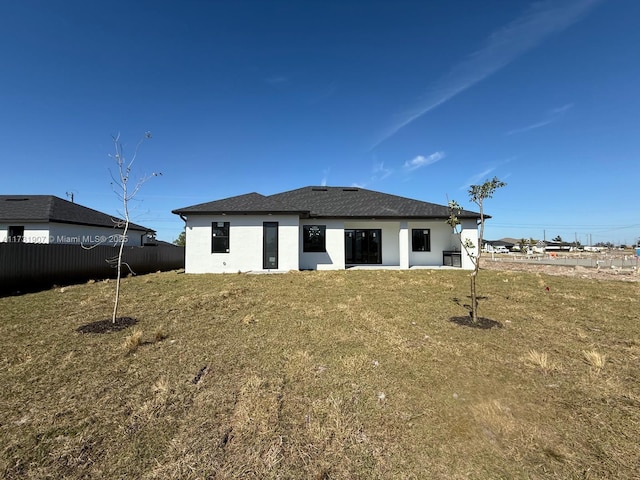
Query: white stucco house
[322, 228]
[50, 219]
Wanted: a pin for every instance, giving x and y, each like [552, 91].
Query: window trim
[307, 245]
[425, 235]
[226, 227]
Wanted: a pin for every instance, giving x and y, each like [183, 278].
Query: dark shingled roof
[246, 204]
[338, 202]
[49, 208]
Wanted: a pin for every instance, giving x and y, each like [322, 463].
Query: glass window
[220, 237]
[314, 238]
[15, 234]
[421, 240]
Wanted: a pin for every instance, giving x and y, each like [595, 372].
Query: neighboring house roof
[513, 241]
[49, 208]
[500, 243]
[332, 202]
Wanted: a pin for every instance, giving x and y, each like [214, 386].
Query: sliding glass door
[363, 246]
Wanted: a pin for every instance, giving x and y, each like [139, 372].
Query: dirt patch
[562, 270]
[482, 323]
[108, 325]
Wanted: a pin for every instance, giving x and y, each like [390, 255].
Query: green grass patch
[350, 374]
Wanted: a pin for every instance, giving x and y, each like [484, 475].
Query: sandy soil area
[625, 275]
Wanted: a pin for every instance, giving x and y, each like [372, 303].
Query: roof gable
[49, 208]
[336, 202]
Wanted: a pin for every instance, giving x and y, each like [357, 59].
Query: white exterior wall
[333, 258]
[71, 234]
[33, 232]
[390, 238]
[245, 243]
[440, 241]
[404, 242]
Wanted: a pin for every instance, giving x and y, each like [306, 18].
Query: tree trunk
[474, 298]
[119, 274]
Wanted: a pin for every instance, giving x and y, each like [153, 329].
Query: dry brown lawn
[323, 375]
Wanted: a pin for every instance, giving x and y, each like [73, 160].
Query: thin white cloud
[380, 172]
[422, 161]
[533, 126]
[553, 116]
[562, 110]
[325, 176]
[478, 178]
[482, 176]
[503, 46]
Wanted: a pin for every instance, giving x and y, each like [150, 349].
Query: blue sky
[413, 98]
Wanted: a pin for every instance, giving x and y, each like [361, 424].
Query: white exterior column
[469, 232]
[403, 241]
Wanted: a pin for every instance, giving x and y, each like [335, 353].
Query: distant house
[50, 219]
[551, 246]
[322, 228]
[498, 246]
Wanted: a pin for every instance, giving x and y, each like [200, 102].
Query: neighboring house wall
[245, 243]
[63, 233]
[33, 232]
[88, 235]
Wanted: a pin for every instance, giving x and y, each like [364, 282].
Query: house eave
[23, 221]
[312, 215]
[387, 217]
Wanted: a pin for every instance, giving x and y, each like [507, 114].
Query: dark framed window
[421, 240]
[220, 237]
[314, 238]
[270, 245]
[15, 234]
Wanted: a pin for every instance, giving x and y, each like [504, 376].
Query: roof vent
[350, 189]
[319, 189]
[16, 199]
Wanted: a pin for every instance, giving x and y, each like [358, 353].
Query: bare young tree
[125, 191]
[477, 194]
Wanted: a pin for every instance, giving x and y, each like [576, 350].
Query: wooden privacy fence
[31, 266]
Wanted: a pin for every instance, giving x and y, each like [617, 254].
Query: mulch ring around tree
[482, 323]
[107, 325]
